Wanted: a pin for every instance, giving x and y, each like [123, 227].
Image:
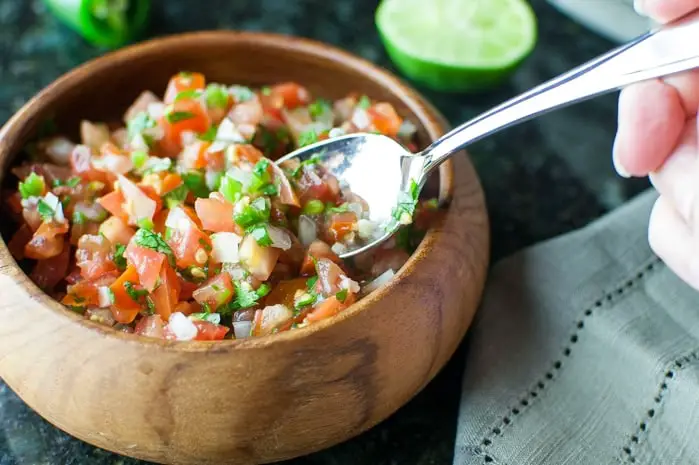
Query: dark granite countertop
[541, 179]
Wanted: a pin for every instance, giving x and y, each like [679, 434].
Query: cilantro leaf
[214, 318]
[261, 235]
[173, 117]
[364, 102]
[341, 296]
[45, 211]
[196, 182]
[153, 241]
[133, 293]
[307, 138]
[138, 124]
[119, 259]
[176, 196]
[319, 108]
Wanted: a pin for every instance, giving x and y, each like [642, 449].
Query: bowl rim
[427, 115]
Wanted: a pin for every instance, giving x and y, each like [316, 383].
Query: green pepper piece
[106, 23]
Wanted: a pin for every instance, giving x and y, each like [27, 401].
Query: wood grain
[254, 400]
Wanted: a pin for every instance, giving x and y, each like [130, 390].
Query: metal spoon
[381, 171]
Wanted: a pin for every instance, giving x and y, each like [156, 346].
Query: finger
[676, 179]
[666, 10]
[671, 240]
[651, 118]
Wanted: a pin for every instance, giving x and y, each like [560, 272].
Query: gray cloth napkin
[585, 351]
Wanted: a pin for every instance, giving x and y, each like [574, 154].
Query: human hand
[657, 137]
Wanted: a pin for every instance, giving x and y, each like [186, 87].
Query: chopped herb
[76, 308]
[313, 207]
[196, 182]
[257, 212]
[173, 117]
[188, 94]
[119, 259]
[307, 138]
[341, 296]
[343, 208]
[57, 183]
[216, 287]
[153, 241]
[45, 210]
[209, 135]
[206, 307]
[185, 74]
[311, 282]
[66, 200]
[138, 124]
[261, 167]
[146, 223]
[79, 218]
[33, 186]
[269, 189]
[319, 108]
[404, 211]
[263, 290]
[156, 165]
[214, 318]
[133, 293]
[314, 160]
[266, 91]
[364, 102]
[241, 93]
[176, 196]
[151, 305]
[231, 189]
[139, 158]
[261, 235]
[73, 181]
[308, 298]
[216, 96]
[78, 299]
[205, 245]
[245, 297]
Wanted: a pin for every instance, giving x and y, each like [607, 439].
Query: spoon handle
[667, 50]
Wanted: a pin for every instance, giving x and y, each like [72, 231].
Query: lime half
[457, 45]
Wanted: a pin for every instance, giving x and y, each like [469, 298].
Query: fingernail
[620, 169]
[639, 6]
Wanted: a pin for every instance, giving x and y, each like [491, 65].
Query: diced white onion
[366, 228]
[56, 205]
[212, 179]
[94, 135]
[138, 205]
[308, 231]
[182, 327]
[236, 271]
[360, 118]
[280, 238]
[178, 219]
[241, 329]
[117, 164]
[273, 316]
[227, 132]
[338, 248]
[407, 129]
[105, 296]
[349, 284]
[247, 131]
[156, 110]
[379, 281]
[224, 247]
[138, 143]
[242, 176]
[188, 137]
[58, 149]
[336, 132]
[356, 208]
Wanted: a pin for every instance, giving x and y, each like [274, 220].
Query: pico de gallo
[177, 224]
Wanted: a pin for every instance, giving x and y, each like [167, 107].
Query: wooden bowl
[255, 400]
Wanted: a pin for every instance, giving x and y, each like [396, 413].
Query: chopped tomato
[194, 155]
[259, 261]
[165, 296]
[171, 181]
[151, 326]
[153, 195]
[215, 160]
[311, 187]
[216, 215]
[84, 293]
[248, 112]
[330, 277]
[190, 244]
[329, 307]
[216, 292]
[384, 119]
[316, 251]
[285, 292]
[94, 256]
[159, 221]
[114, 204]
[187, 308]
[287, 195]
[272, 103]
[207, 331]
[249, 153]
[293, 95]
[147, 263]
[342, 224]
[47, 241]
[183, 81]
[125, 308]
[48, 273]
[19, 241]
[116, 230]
[183, 115]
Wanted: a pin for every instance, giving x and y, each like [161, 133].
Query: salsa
[177, 224]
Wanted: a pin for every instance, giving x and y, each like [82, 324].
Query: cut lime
[457, 45]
